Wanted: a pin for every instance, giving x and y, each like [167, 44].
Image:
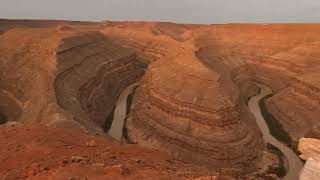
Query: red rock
[191, 100]
[78, 159]
[122, 169]
[91, 143]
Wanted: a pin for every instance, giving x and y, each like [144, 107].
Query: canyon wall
[92, 71]
[184, 108]
[27, 67]
[63, 76]
[282, 56]
[191, 100]
[151, 41]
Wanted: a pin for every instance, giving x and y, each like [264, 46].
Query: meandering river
[294, 163]
[120, 113]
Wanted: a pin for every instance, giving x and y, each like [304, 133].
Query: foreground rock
[39, 152]
[310, 149]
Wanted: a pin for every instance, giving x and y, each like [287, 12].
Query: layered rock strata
[92, 71]
[191, 102]
[181, 107]
[27, 68]
[151, 41]
[282, 56]
[63, 77]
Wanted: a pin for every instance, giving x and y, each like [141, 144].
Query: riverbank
[126, 137]
[293, 162]
[120, 113]
[281, 169]
[275, 127]
[108, 122]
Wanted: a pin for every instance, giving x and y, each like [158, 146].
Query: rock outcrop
[281, 56]
[310, 149]
[150, 41]
[191, 101]
[92, 71]
[30, 151]
[27, 67]
[63, 78]
[182, 107]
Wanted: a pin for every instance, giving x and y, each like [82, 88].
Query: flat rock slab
[311, 170]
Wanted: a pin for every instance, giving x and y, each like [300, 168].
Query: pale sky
[182, 11]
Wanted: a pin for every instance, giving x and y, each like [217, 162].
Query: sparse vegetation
[3, 119]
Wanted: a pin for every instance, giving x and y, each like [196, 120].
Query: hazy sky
[191, 11]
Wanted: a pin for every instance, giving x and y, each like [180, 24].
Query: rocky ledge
[310, 149]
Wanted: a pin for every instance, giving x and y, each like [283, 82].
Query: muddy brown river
[294, 164]
[293, 161]
[120, 113]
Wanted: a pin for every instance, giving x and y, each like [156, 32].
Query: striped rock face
[182, 107]
[285, 57]
[191, 101]
[67, 78]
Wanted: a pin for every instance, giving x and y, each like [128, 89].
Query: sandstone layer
[195, 120]
[310, 149]
[194, 113]
[92, 71]
[62, 76]
[192, 99]
[282, 56]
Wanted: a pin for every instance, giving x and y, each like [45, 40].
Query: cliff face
[297, 108]
[63, 76]
[276, 55]
[27, 67]
[191, 100]
[186, 109]
[283, 57]
[150, 41]
[92, 71]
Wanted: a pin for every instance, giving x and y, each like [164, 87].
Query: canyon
[189, 114]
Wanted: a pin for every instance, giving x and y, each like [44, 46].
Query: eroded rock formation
[192, 100]
[63, 77]
[282, 56]
[310, 149]
[92, 71]
[182, 107]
